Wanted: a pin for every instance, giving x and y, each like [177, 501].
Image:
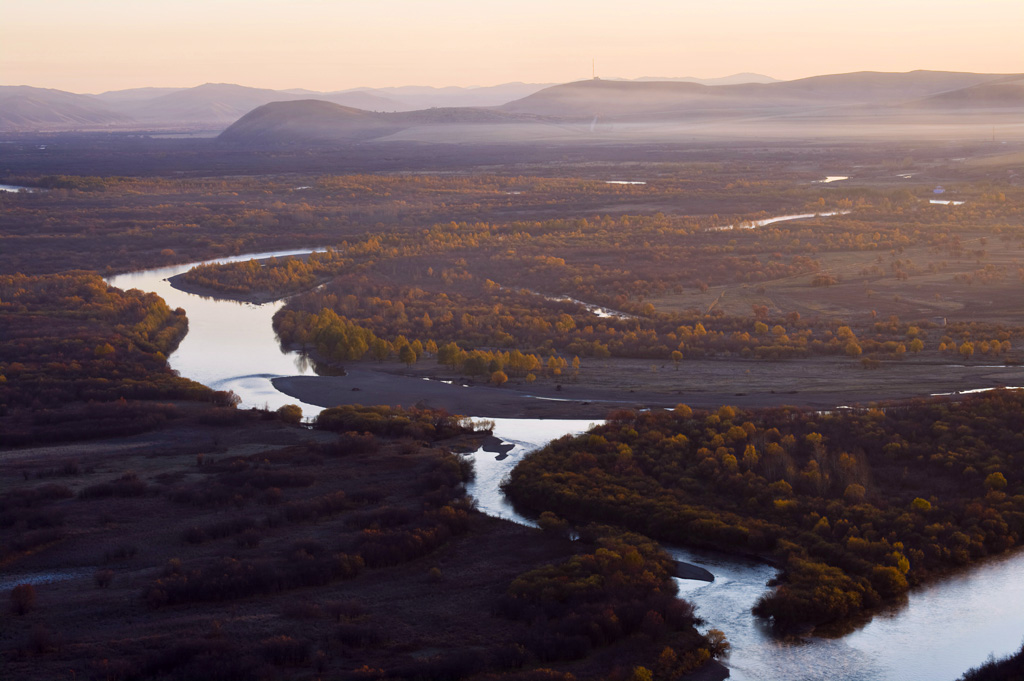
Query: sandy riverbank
[635, 384]
[362, 386]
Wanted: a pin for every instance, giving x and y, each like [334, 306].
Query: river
[229, 345]
[940, 632]
[764, 222]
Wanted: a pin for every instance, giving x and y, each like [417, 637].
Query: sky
[99, 45]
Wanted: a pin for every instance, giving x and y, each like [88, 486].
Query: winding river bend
[940, 632]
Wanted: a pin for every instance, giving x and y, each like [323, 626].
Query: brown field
[867, 287]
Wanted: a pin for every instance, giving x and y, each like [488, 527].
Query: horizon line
[511, 82]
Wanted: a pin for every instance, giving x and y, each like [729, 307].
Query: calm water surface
[939, 633]
[230, 345]
[754, 224]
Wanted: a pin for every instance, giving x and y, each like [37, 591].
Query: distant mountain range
[853, 104]
[206, 107]
[652, 109]
[609, 99]
[215, 106]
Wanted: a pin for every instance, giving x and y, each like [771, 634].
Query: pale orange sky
[98, 45]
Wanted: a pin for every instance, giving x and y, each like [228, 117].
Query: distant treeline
[80, 221]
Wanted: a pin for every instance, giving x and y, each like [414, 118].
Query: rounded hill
[303, 122]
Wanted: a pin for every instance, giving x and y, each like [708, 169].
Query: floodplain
[456, 272]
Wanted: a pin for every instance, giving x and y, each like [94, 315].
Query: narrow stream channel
[940, 632]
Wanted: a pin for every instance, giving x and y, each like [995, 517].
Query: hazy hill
[357, 99]
[216, 105]
[873, 87]
[590, 98]
[587, 98]
[415, 97]
[318, 122]
[304, 122]
[460, 115]
[24, 108]
[135, 94]
[410, 98]
[994, 95]
[209, 104]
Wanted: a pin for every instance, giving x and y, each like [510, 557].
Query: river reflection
[229, 345]
[527, 435]
[939, 633]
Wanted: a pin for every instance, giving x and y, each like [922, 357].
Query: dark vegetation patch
[856, 506]
[425, 424]
[81, 360]
[1008, 668]
[621, 590]
[307, 560]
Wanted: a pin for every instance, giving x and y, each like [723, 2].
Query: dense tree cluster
[421, 424]
[856, 506]
[76, 354]
[362, 316]
[279, 277]
[1009, 668]
[339, 338]
[622, 589]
